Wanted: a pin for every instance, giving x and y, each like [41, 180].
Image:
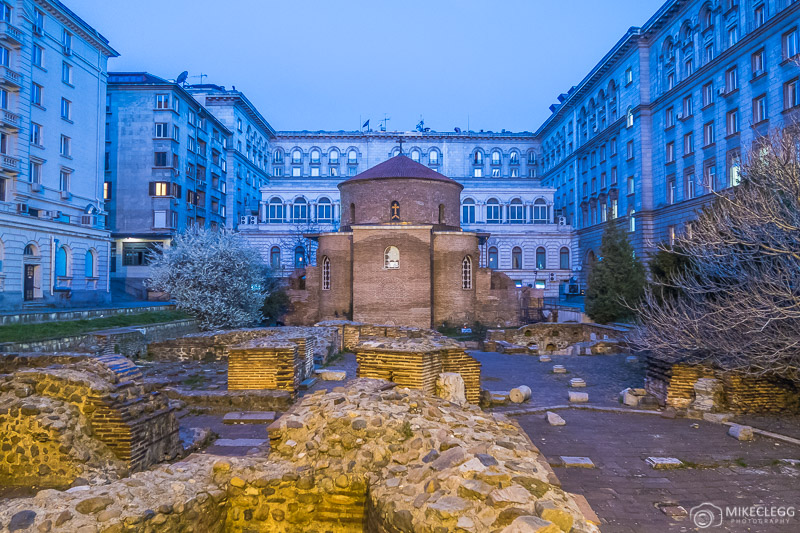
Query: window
[159, 188]
[38, 22]
[734, 169]
[516, 212]
[466, 273]
[477, 172]
[66, 41]
[670, 152]
[613, 175]
[791, 95]
[516, 258]
[275, 257]
[37, 135]
[540, 212]
[632, 220]
[324, 210]
[89, 265]
[239, 125]
[415, 155]
[477, 158]
[629, 149]
[563, 259]
[3, 99]
[278, 156]
[275, 210]
[709, 52]
[300, 210]
[760, 109]
[297, 157]
[710, 177]
[162, 101]
[296, 172]
[628, 76]
[38, 56]
[688, 107]
[731, 80]
[670, 80]
[314, 172]
[176, 133]
[66, 73]
[36, 94]
[614, 208]
[5, 12]
[391, 257]
[159, 219]
[541, 258]
[352, 157]
[162, 131]
[688, 66]
[107, 190]
[160, 159]
[733, 36]
[688, 143]
[493, 211]
[672, 191]
[468, 211]
[35, 172]
[63, 180]
[495, 157]
[708, 94]
[708, 133]
[299, 257]
[790, 44]
[66, 146]
[66, 109]
[62, 262]
[631, 185]
[333, 171]
[671, 235]
[689, 186]
[495, 172]
[514, 158]
[629, 119]
[758, 16]
[758, 62]
[669, 117]
[326, 273]
[732, 122]
[492, 258]
[315, 157]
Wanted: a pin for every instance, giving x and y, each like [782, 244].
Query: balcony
[10, 35]
[9, 121]
[9, 164]
[10, 79]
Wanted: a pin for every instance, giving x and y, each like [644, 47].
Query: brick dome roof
[400, 166]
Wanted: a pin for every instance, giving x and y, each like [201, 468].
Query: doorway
[30, 282]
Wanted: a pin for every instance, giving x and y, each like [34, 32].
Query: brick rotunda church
[401, 257]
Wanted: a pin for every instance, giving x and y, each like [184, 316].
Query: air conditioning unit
[721, 91]
[22, 209]
[248, 220]
[552, 276]
[36, 187]
[680, 116]
[562, 221]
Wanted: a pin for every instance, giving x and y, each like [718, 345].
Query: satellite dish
[182, 77]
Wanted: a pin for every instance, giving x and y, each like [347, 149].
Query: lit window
[632, 221]
[299, 257]
[466, 273]
[541, 258]
[326, 274]
[391, 257]
[492, 258]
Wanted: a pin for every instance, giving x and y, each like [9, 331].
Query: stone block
[520, 394]
[708, 394]
[450, 386]
[545, 359]
[577, 382]
[663, 463]
[571, 461]
[531, 524]
[717, 418]
[331, 375]
[249, 417]
[578, 397]
[741, 432]
[559, 369]
[553, 419]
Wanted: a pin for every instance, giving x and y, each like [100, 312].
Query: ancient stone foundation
[557, 339]
[675, 385]
[67, 416]
[362, 458]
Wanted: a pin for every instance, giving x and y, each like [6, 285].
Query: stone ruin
[557, 339]
[70, 416]
[368, 457]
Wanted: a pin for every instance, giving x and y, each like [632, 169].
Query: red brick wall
[452, 303]
[335, 303]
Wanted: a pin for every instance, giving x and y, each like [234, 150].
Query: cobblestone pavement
[605, 376]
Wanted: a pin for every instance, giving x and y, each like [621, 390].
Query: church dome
[401, 191]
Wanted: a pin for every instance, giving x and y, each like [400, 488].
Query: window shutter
[176, 191]
[152, 188]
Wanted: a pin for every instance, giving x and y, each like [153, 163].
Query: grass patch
[68, 328]
[194, 382]
[333, 359]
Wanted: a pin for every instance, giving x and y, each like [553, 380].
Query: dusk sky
[334, 64]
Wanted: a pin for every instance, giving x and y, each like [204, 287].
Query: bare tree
[736, 305]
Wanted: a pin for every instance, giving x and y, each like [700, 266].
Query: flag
[365, 125]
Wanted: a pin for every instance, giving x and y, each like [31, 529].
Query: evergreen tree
[616, 280]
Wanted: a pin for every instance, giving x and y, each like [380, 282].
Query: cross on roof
[400, 140]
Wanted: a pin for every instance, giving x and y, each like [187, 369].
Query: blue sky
[330, 64]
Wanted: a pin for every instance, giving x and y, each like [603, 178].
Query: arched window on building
[299, 257]
[275, 257]
[278, 156]
[297, 156]
[632, 220]
[30, 251]
[275, 210]
[516, 212]
[496, 157]
[326, 273]
[541, 258]
[315, 157]
[433, 157]
[441, 213]
[492, 258]
[468, 211]
[352, 157]
[629, 118]
[394, 211]
[333, 156]
[324, 210]
[563, 259]
[391, 257]
[300, 210]
[90, 264]
[493, 211]
[352, 213]
[466, 273]
[540, 212]
[415, 155]
[516, 258]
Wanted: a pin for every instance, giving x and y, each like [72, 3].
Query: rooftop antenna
[182, 77]
[201, 76]
[384, 121]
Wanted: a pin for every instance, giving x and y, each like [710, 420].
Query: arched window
[516, 258]
[275, 210]
[514, 158]
[468, 211]
[466, 273]
[297, 156]
[352, 213]
[493, 211]
[563, 259]
[352, 157]
[30, 251]
[90, 264]
[433, 157]
[300, 210]
[315, 156]
[278, 156]
[62, 262]
[540, 212]
[477, 157]
[415, 155]
[541, 258]
[324, 210]
[632, 220]
[516, 212]
[493, 257]
[391, 257]
[629, 118]
[275, 257]
[333, 156]
[441, 213]
[326, 273]
[394, 211]
[496, 157]
[299, 257]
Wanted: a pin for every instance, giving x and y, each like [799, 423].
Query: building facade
[166, 171]
[54, 248]
[664, 119]
[502, 195]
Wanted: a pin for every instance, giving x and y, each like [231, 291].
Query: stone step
[249, 417]
[307, 383]
[249, 443]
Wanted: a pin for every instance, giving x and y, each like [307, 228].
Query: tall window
[433, 157]
[299, 257]
[391, 257]
[315, 157]
[415, 156]
[89, 266]
[492, 258]
[731, 80]
[541, 258]
[493, 211]
[516, 258]
[732, 122]
[468, 211]
[791, 94]
[36, 94]
[62, 259]
[275, 257]
[477, 158]
[791, 47]
[540, 215]
[758, 62]
[38, 56]
[632, 220]
[297, 156]
[394, 211]
[275, 210]
[734, 169]
[352, 157]
[333, 157]
[708, 133]
[516, 212]
[326, 273]
[760, 109]
[300, 210]
[563, 259]
[324, 210]
[66, 73]
[466, 273]
[66, 109]
[495, 157]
